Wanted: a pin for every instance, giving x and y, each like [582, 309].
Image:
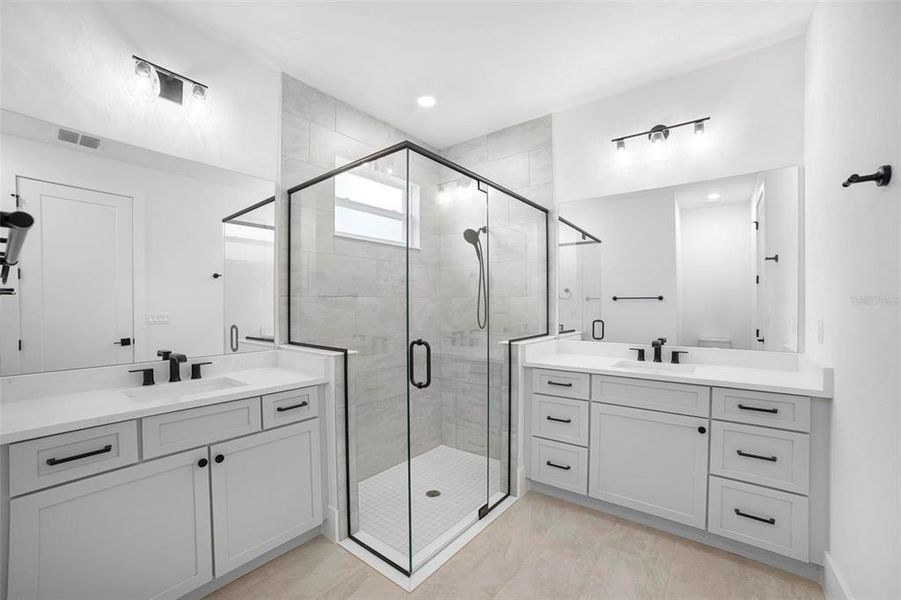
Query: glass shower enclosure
[579, 285]
[418, 271]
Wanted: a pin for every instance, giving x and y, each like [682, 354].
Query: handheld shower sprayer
[474, 237]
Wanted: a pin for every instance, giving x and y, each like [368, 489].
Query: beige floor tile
[541, 548]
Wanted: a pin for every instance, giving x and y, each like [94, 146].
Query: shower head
[471, 236]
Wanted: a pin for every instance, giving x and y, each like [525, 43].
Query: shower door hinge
[20, 345]
[757, 279]
[756, 225]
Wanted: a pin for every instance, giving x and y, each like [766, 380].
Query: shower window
[371, 206]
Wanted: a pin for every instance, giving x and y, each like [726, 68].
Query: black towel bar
[615, 298]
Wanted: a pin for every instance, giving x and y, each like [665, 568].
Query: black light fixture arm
[665, 127]
[170, 72]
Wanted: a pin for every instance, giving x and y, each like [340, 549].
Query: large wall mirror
[131, 252]
[710, 264]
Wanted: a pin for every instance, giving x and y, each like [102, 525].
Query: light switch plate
[156, 318]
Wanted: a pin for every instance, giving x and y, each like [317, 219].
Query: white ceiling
[489, 64]
[730, 189]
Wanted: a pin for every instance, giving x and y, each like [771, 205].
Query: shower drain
[433, 493]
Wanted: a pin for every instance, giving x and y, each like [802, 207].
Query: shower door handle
[428, 364]
[594, 328]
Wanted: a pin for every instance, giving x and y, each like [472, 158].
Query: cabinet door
[141, 532]
[266, 490]
[650, 461]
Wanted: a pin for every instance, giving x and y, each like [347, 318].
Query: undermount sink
[184, 388]
[652, 367]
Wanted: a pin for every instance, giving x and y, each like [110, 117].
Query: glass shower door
[447, 284]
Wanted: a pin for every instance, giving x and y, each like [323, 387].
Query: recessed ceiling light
[426, 101]
[713, 197]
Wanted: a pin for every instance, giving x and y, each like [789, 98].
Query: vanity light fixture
[150, 81]
[426, 101]
[660, 133]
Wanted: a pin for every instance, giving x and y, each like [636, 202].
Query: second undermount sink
[184, 388]
[652, 367]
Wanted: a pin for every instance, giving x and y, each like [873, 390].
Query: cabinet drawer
[289, 407]
[769, 519]
[770, 457]
[762, 408]
[654, 395]
[52, 460]
[560, 465]
[560, 419]
[561, 383]
[172, 432]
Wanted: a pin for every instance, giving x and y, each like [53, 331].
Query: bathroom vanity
[152, 492]
[726, 447]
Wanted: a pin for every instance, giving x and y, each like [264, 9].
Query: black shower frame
[411, 146]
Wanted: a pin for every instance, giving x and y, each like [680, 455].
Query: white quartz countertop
[28, 418]
[807, 380]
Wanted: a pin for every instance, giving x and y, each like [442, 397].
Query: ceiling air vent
[89, 142]
[73, 137]
[68, 136]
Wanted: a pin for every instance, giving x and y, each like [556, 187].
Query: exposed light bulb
[145, 82]
[699, 127]
[620, 145]
[657, 136]
[426, 101]
[198, 108]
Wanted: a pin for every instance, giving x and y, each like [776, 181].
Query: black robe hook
[882, 176]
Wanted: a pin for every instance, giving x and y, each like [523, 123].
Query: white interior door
[761, 317]
[77, 282]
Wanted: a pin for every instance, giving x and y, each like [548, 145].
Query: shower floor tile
[460, 477]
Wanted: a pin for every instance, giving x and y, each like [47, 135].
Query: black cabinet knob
[702, 429]
[219, 458]
[202, 463]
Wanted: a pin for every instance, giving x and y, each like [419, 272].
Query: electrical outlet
[821, 330]
[156, 318]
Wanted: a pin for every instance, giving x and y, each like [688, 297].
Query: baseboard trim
[810, 571]
[211, 586]
[833, 582]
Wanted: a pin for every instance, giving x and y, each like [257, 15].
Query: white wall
[755, 102]
[177, 229]
[715, 262]
[638, 258]
[70, 63]
[853, 107]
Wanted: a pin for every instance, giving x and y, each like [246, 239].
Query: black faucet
[657, 345]
[175, 359]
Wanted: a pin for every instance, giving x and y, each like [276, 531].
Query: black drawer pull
[549, 382]
[758, 409]
[59, 461]
[292, 407]
[757, 456]
[770, 520]
[550, 418]
[556, 466]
